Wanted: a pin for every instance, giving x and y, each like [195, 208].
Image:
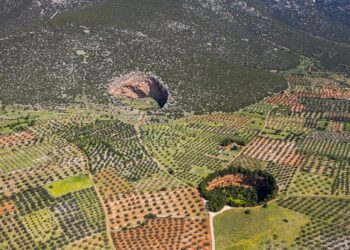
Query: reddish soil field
[19, 138]
[126, 210]
[292, 100]
[108, 182]
[281, 152]
[331, 92]
[289, 100]
[166, 233]
[7, 207]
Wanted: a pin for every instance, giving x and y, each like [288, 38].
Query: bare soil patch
[138, 85]
[16, 139]
[232, 180]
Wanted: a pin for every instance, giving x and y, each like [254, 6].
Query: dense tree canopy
[263, 188]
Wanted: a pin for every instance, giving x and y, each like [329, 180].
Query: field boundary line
[109, 235]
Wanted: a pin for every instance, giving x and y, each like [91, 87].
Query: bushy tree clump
[226, 141]
[264, 189]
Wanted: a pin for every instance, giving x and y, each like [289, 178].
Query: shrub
[216, 201]
[227, 141]
[150, 216]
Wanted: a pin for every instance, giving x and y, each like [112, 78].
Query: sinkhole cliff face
[140, 85]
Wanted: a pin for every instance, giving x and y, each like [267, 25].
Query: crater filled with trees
[238, 187]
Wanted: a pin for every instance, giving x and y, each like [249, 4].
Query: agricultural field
[271, 227]
[104, 177]
[68, 185]
[304, 144]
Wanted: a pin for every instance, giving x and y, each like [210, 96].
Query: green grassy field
[271, 226]
[43, 223]
[201, 171]
[275, 134]
[71, 184]
[304, 66]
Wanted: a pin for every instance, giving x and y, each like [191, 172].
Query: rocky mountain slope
[213, 54]
[19, 13]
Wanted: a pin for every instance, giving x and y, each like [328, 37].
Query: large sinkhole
[138, 85]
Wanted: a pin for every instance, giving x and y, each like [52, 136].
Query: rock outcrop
[140, 85]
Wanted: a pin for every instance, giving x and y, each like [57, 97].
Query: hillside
[214, 55]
